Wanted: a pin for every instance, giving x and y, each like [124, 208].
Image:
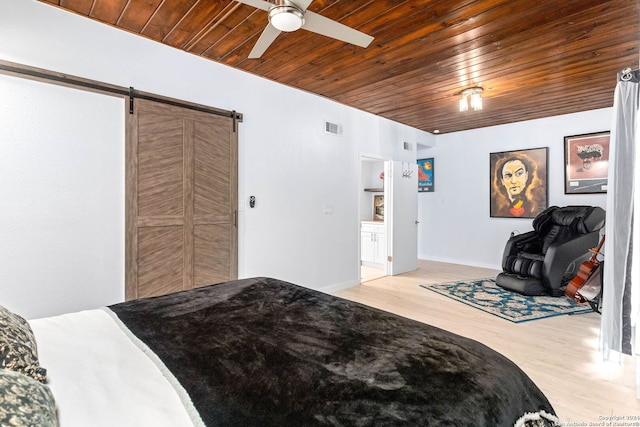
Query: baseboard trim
[462, 262]
[339, 286]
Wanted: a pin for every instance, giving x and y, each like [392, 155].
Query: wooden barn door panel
[214, 203]
[160, 260]
[213, 169]
[181, 198]
[160, 166]
[212, 264]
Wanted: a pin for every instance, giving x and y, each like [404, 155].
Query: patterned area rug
[485, 295]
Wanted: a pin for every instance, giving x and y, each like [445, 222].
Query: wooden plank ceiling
[534, 58]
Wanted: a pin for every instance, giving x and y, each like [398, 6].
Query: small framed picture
[586, 163]
[378, 208]
[425, 175]
[518, 183]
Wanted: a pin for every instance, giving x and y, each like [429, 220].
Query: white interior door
[401, 214]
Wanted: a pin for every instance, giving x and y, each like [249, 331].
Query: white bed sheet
[100, 376]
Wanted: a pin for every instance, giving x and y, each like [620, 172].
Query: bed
[263, 352]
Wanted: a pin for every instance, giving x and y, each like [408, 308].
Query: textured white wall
[454, 220]
[286, 160]
[62, 190]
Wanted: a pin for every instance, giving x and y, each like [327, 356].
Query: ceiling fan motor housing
[286, 16]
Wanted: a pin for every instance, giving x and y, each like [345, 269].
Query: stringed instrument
[586, 270]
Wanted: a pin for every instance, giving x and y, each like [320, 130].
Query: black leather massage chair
[543, 261]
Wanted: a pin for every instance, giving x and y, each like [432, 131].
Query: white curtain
[620, 296]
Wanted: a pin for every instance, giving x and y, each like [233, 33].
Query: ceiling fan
[286, 15]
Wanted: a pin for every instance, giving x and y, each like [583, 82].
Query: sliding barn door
[181, 199]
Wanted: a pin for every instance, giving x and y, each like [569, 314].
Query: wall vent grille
[332, 128]
[407, 146]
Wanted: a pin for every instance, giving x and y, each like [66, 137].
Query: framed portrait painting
[586, 163]
[425, 175]
[518, 183]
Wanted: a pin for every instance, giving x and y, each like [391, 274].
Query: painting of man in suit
[518, 183]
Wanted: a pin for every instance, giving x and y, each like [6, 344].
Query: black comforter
[263, 352]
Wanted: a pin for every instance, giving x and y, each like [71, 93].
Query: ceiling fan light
[286, 18]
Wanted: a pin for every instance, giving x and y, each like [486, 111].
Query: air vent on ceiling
[332, 128]
[407, 146]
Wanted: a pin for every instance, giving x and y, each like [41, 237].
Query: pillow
[18, 350]
[25, 402]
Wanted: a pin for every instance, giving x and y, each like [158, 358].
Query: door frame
[367, 157]
[389, 218]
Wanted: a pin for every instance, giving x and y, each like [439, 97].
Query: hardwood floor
[559, 353]
[370, 273]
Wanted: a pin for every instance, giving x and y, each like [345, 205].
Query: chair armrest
[515, 243]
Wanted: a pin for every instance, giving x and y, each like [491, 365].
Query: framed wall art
[518, 183]
[378, 208]
[425, 175]
[586, 163]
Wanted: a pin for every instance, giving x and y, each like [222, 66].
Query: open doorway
[373, 243]
[388, 217]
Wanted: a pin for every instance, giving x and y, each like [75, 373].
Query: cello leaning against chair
[586, 270]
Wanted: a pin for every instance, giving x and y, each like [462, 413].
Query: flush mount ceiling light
[286, 16]
[471, 97]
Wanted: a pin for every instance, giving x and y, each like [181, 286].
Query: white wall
[455, 225]
[286, 160]
[62, 187]
[289, 164]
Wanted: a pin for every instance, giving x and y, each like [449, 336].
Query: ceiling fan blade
[267, 37]
[330, 28]
[302, 4]
[258, 4]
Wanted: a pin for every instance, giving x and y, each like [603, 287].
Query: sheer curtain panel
[620, 295]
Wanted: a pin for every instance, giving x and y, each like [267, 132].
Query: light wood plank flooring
[559, 353]
[370, 273]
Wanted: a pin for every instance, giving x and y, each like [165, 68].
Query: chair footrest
[521, 284]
